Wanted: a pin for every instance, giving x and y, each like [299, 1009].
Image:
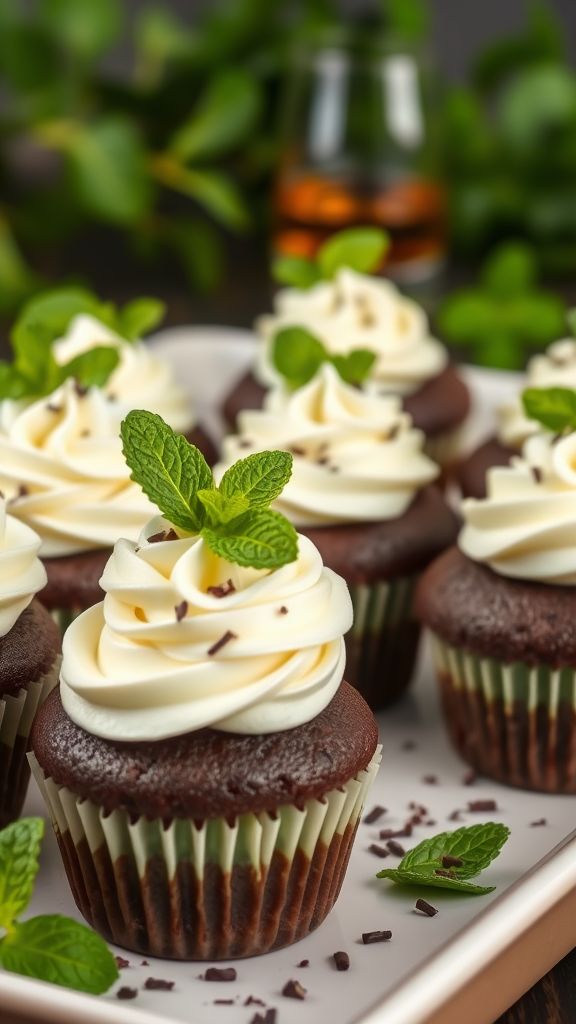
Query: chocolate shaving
[220, 974]
[159, 983]
[536, 474]
[482, 805]
[244, 442]
[53, 407]
[296, 449]
[322, 461]
[223, 1002]
[157, 537]
[391, 833]
[538, 823]
[181, 610]
[126, 993]
[396, 848]
[267, 1018]
[144, 963]
[374, 815]
[294, 990]
[79, 388]
[303, 963]
[222, 589]
[378, 851]
[224, 639]
[448, 861]
[342, 960]
[425, 908]
[455, 816]
[121, 962]
[282, 610]
[253, 1001]
[369, 937]
[431, 821]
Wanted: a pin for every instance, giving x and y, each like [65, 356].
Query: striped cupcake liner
[382, 645]
[17, 713]
[512, 722]
[207, 890]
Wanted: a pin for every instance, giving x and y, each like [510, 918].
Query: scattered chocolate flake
[341, 959]
[425, 908]
[430, 780]
[20, 493]
[448, 861]
[159, 983]
[378, 851]
[417, 807]
[126, 993]
[267, 1018]
[157, 537]
[171, 535]
[409, 745]
[79, 388]
[294, 990]
[181, 610]
[303, 963]
[220, 974]
[416, 819]
[470, 778]
[145, 963]
[223, 1002]
[222, 589]
[53, 407]
[391, 833]
[224, 639]
[369, 937]
[283, 610]
[396, 848]
[536, 474]
[323, 460]
[455, 816]
[482, 805]
[374, 815]
[431, 821]
[253, 1001]
[121, 962]
[538, 823]
[296, 449]
[244, 442]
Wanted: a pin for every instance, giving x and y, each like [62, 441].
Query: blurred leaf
[537, 101]
[29, 60]
[295, 271]
[571, 320]
[467, 135]
[217, 193]
[159, 38]
[465, 316]
[225, 114]
[360, 249]
[139, 317]
[408, 18]
[17, 280]
[109, 170]
[85, 27]
[499, 351]
[200, 249]
[510, 269]
[540, 41]
[539, 318]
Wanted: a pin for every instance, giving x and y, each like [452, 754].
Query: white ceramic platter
[468, 963]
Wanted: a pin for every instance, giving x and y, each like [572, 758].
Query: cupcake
[554, 368]
[361, 491]
[359, 311]
[502, 610]
[203, 763]
[29, 656]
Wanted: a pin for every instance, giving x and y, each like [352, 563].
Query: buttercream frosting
[554, 368]
[22, 574]
[163, 654]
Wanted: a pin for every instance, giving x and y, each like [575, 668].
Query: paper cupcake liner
[16, 716]
[207, 890]
[381, 647]
[513, 722]
[445, 448]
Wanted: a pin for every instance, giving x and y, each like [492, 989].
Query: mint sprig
[361, 249]
[472, 847]
[554, 408]
[49, 947]
[233, 518]
[298, 354]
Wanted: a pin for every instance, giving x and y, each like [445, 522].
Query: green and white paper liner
[382, 644]
[207, 890]
[513, 722]
[16, 716]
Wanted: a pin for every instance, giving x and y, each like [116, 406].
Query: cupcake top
[220, 616]
[357, 310]
[22, 574]
[356, 456]
[554, 368]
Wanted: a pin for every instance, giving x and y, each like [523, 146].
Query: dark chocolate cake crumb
[220, 974]
[378, 851]
[121, 962]
[379, 936]
[253, 1001]
[396, 848]
[538, 823]
[283, 610]
[223, 1002]
[296, 449]
[156, 538]
[482, 805]
[374, 815]
[431, 821]
[224, 639]
[425, 908]
[419, 808]
[536, 474]
[448, 861]
[126, 993]
[430, 780]
[342, 960]
[159, 983]
[144, 963]
[222, 589]
[294, 990]
[181, 610]
[265, 1018]
[303, 963]
[470, 778]
[396, 833]
[455, 816]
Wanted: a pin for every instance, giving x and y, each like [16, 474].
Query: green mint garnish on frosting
[298, 354]
[49, 947]
[360, 249]
[571, 319]
[234, 518]
[34, 371]
[449, 860]
[554, 408]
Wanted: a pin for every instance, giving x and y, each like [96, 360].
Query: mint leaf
[511, 269]
[402, 877]
[260, 478]
[19, 853]
[57, 949]
[355, 366]
[139, 317]
[555, 408]
[13, 384]
[297, 354]
[221, 510]
[571, 318]
[92, 368]
[169, 469]
[475, 845]
[261, 539]
[361, 249]
[55, 309]
[296, 271]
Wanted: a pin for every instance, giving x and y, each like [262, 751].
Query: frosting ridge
[22, 574]
[554, 368]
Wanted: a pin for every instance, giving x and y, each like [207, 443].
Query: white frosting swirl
[526, 525]
[359, 311]
[134, 670]
[140, 381]
[356, 456]
[61, 461]
[555, 368]
[22, 574]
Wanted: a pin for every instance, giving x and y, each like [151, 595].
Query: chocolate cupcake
[360, 490]
[358, 311]
[29, 657]
[502, 611]
[204, 764]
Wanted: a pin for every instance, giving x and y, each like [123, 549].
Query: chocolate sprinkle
[391, 833]
[121, 962]
[426, 908]
[283, 610]
[374, 815]
[482, 805]
[540, 821]
[378, 851]
[303, 963]
[296, 449]
[224, 639]
[253, 1001]
[267, 1018]
[342, 960]
[451, 862]
[294, 990]
[430, 780]
[53, 407]
[369, 937]
[126, 993]
[223, 1002]
[145, 964]
[536, 473]
[159, 983]
[222, 589]
[181, 610]
[157, 537]
[455, 816]
[220, 974]
[396, 848]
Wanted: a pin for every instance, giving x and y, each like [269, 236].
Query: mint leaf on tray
[19, 852]
[449, 859]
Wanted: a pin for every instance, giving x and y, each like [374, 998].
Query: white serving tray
[468, 963]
